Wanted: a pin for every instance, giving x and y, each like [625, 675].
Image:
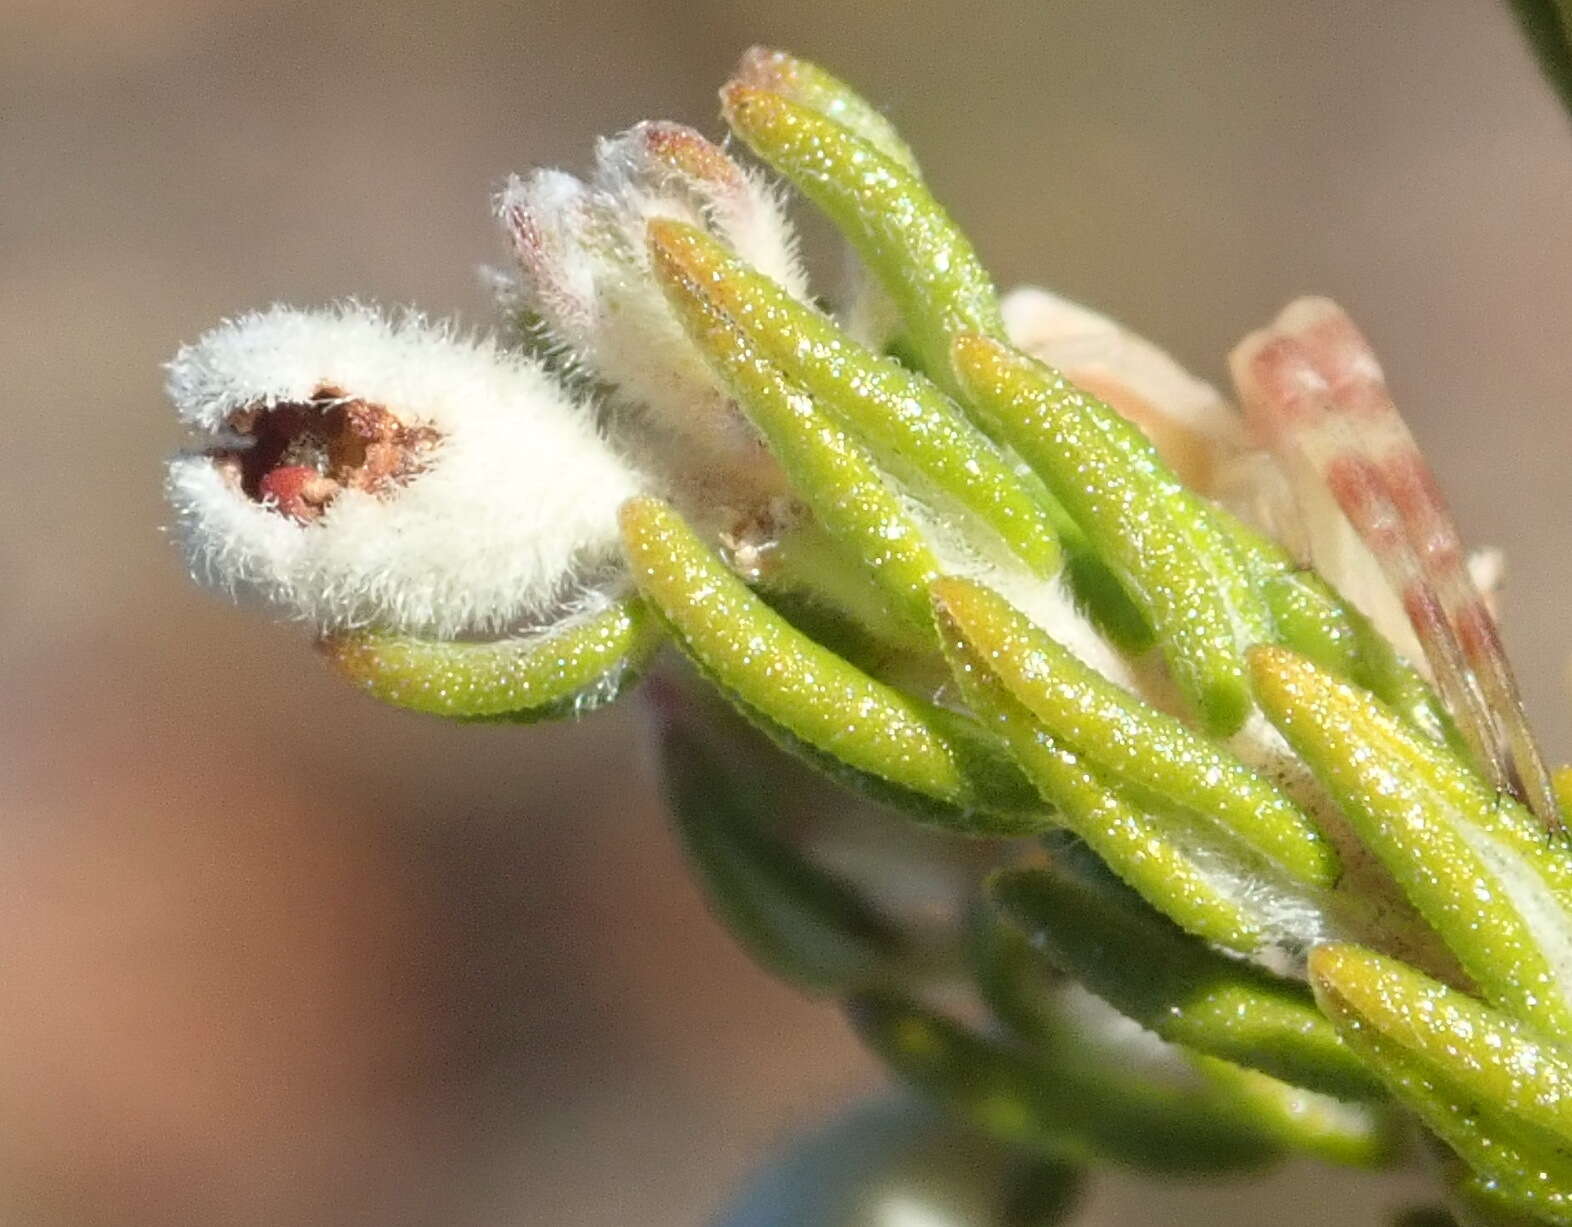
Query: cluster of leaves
[1199, 975]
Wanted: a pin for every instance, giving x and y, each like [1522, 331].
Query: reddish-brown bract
[1314, 390]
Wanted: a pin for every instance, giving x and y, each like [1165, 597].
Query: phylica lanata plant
[1215, 695]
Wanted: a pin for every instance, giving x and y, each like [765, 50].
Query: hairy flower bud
[357, 471]
[586, 277]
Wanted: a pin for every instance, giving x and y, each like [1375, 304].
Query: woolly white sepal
[586, 277]
[504, 513]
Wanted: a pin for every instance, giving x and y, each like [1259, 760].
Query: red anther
[297, 490]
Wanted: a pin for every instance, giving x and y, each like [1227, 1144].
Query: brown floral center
[304, 454]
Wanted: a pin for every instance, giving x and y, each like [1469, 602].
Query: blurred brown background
[269, 954]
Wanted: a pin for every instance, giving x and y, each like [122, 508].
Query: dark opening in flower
[304, 454]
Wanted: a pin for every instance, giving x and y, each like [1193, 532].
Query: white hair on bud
[506, 516]
[586, 275]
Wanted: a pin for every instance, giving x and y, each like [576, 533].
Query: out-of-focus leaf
[1058, 1101]
[1015, 982]
[798, 920]
[914, 755]
[1175, 985]
[1548, 25]
[562, 673]
[1049, 1103]
[902, 1160]
[1477, 866]
[1331, 1129]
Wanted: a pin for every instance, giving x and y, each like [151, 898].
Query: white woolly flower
[359, 472]
[586, 277]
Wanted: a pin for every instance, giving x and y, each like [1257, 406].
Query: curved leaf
[912, 754]
[1493, 1089]
[565, 672]
[830, 471]
[1047, 1103]
[1477, 866]
[798, 920]
[1153, 755]
[1176, 985]
[923, 260]
[1156, 536]
[908, 424]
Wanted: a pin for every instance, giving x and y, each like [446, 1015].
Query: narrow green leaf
[1477, 866]
[910, 426]
[1331, 1129]
[1174, 984]
[1155, 854]
[810, 86]
[1154, 534]
[923, 260]
[910, 753]
[798, 920]
[829, 470]
[1051, 1104]
[1309, 616]
[1496, 1091]
[567, 671]
[1153, 756]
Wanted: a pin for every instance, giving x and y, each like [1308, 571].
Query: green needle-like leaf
[829, 470]
[910, 753]
[807, 925]
[920, 256]
[1309, 616]
[910, 426]
[1334, 1130]
[808, 85]
[1155, 854]
[1153, 756]
[567, 671]
[1140, 963]
[1477, 866]
[1053, 1104]
[1155, 535]
[1496, 1091]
